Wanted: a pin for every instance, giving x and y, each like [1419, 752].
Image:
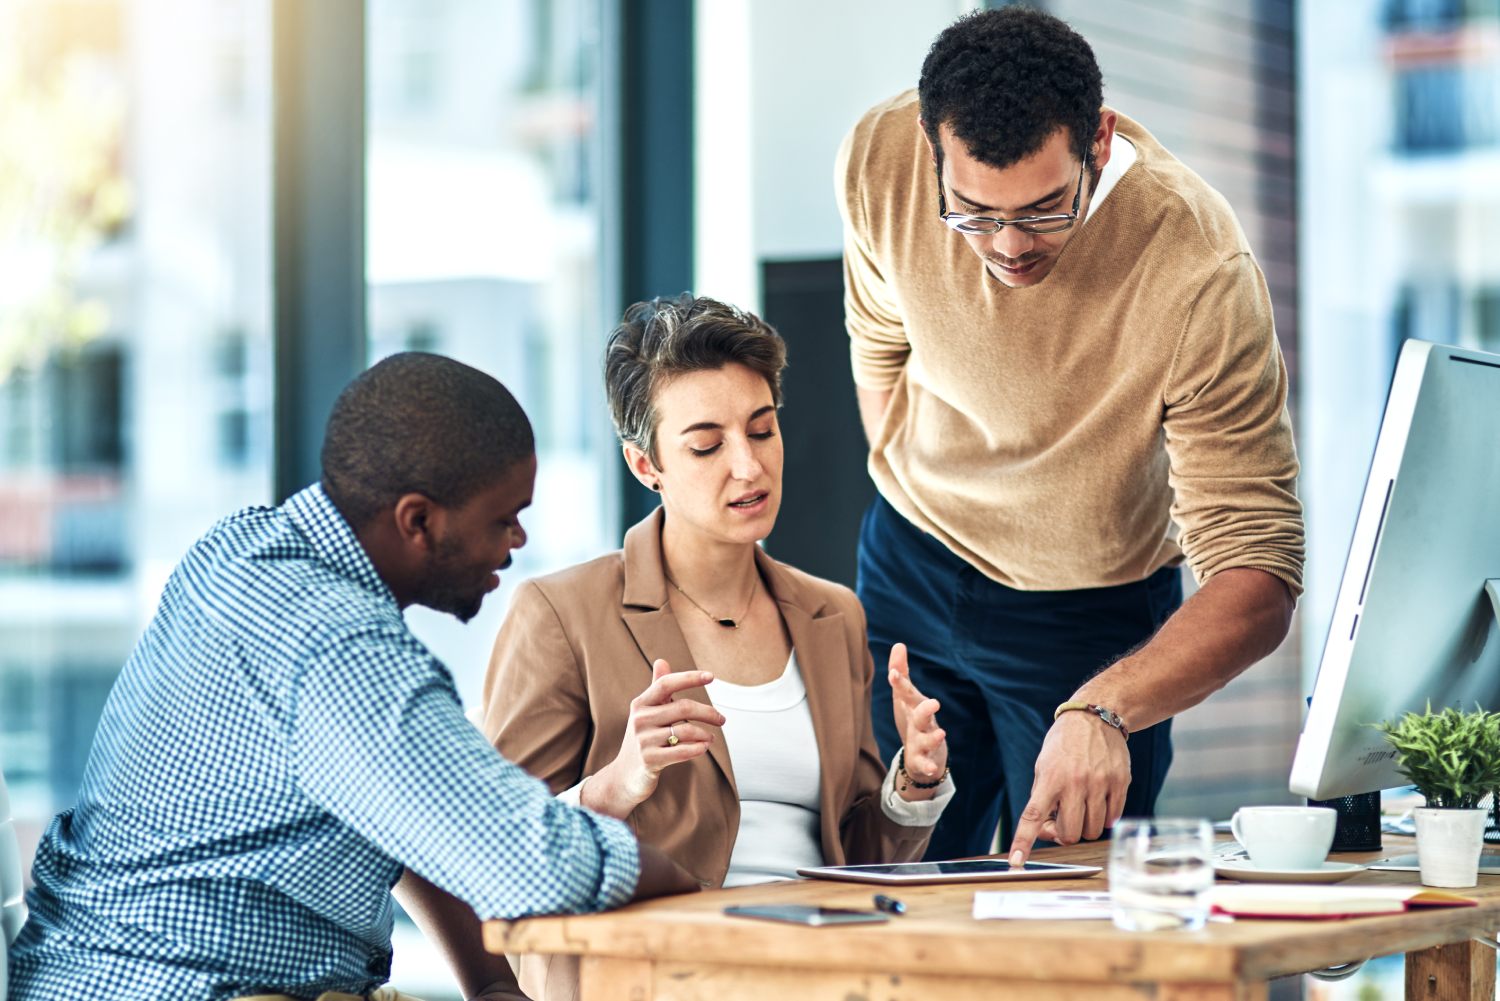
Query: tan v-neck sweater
[1128, 410]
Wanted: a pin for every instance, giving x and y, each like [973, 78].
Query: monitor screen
[1416, 615]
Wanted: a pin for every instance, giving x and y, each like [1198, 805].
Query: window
[1400, 166]
[134, 340]
[484, 237]
[136, 369]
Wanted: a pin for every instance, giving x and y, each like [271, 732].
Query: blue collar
[333, 539]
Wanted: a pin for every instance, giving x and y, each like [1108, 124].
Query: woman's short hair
[659, 340]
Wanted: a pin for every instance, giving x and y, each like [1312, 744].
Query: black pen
[889, 904]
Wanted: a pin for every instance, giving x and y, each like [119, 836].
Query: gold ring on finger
[672, 740]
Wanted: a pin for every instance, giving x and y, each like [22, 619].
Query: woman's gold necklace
[726, 623]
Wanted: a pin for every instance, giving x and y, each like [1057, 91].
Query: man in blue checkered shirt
[279, 745]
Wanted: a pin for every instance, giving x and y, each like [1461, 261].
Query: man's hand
[1238, 616]
[1082, 773]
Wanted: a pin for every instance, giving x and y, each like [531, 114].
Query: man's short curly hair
[1005, 80]
[664, 338]
[420, 423]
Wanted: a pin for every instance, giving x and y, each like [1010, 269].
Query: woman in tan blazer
[715, 699]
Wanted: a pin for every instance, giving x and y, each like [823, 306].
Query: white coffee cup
[1285, 837]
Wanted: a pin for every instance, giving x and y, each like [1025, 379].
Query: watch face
[1110, 717]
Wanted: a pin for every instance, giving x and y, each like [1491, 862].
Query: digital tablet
[962, 871]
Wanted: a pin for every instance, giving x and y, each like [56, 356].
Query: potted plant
[1453, 758]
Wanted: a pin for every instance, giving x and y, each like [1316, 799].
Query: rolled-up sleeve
[379, 740]
[1233, 463]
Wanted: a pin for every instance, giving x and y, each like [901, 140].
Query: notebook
[1295, 901]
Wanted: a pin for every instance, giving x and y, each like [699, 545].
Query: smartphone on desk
[806, 914]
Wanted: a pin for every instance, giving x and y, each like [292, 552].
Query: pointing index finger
[669, 685]
[1026, 834]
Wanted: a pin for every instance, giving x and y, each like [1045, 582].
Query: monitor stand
[1489, 864]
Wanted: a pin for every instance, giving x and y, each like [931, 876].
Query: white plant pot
[1449, 843]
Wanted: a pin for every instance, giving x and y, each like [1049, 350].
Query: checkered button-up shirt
[275, 750]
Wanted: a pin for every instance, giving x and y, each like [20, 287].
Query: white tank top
[768, 731]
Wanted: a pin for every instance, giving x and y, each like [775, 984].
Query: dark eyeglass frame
[984, 225]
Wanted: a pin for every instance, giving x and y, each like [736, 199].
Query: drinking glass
[1160, 872]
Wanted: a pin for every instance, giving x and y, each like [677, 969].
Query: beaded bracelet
[906, 778]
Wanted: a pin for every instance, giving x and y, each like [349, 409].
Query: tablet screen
[955, 871]
[967, 867]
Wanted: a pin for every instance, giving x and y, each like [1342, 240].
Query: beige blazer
[577, 646]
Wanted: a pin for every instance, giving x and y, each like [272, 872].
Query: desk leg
[604, 978]
[1464, 971]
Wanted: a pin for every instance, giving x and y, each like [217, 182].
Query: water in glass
[1160, 871]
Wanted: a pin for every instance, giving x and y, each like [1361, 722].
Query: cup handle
[1234, 828]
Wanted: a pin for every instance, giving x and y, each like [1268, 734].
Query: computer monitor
[1416, 615]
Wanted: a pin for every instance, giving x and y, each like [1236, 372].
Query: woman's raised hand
[924, 742]
[660, 732]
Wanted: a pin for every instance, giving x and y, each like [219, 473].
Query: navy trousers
[1000, 661]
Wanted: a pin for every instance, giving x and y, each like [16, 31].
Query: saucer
[1244, 870]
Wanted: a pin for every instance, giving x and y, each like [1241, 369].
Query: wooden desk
[684, 949]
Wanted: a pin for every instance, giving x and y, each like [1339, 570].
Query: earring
[656, 487]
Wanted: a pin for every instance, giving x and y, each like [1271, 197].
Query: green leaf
[1452, 757]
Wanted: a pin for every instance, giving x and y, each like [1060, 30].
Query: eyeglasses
[984, 225]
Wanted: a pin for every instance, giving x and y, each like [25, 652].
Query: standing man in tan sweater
[1070, 381]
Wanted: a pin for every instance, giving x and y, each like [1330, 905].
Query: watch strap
[1109, 716]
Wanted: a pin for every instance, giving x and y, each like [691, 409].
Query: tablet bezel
[864, 873]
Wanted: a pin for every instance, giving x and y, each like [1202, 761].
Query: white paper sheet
[1054, 906]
